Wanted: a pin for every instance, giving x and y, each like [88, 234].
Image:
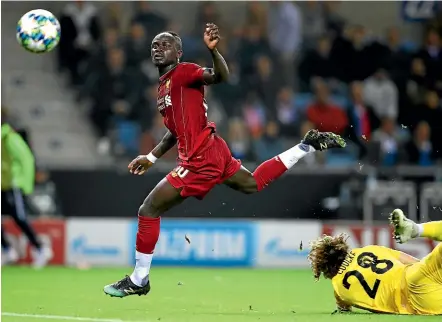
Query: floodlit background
[370, 71]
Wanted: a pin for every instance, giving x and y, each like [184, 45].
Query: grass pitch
[178, 295]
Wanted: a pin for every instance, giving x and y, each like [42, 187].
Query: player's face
[164, 50]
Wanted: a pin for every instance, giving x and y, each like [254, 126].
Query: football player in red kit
[204, 159]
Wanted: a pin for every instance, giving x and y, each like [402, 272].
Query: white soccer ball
[38, 31]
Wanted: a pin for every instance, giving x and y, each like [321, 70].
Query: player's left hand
[139, 165]
[211, 36]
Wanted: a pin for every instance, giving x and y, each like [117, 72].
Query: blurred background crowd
[294, 66]
[370, 73]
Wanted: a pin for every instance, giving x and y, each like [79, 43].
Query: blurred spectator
[430, 112]
[251, 47]
[255, 114]
[318, 63]
[286, 112]
[313, 23]
[123, 89]
[207, 13]
[266, 81]
[418, 82]
[381, 93]
[269, 144]
[324, 115]
[285, 35]
[256, 15]
[113, 17]
[262, 58]
[230, 92]
[81, 30]
[431, 54]
[153, 22]
[419, 148]
[362, 120]
[389, 139]
[110, 40]
[44, 201]
[334, 21]
[394, 57]
[353, 56]
[238, 138]
[137, 47]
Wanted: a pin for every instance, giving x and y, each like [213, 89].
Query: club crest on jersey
[168, 84]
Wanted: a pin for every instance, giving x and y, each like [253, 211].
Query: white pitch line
[58, 317]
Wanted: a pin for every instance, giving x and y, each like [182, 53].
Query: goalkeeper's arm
[341, 306]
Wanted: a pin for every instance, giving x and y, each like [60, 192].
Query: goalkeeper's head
[327, 254]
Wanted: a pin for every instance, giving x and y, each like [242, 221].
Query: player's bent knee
[250, 186]
[146, 210]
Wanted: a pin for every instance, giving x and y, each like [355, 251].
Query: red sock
[148, 234]
[268, 171]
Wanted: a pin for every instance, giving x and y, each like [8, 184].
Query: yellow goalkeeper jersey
[371, 278]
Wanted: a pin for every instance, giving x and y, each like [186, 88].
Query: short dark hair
[177, 38]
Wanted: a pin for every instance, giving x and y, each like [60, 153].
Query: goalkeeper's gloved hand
[342, 310]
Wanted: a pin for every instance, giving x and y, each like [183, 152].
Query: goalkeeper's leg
[406, 229]
[424, 281]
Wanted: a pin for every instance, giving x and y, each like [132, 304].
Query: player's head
[166, 49]
[327, 254]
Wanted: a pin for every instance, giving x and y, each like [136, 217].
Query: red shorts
[210, 167]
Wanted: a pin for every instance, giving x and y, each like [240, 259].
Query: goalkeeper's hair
[327, 254]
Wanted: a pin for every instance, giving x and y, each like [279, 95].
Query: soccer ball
[38, 31]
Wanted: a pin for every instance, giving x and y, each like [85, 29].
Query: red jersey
[181, 103]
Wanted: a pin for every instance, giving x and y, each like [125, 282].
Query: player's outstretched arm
[142, 163]
[341, 306]
[220, 71]
[406, 259]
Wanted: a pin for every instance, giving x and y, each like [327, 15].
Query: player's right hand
[139, 165]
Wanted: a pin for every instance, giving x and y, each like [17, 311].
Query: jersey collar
[167, 74]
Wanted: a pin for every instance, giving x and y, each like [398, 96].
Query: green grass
[205, 295]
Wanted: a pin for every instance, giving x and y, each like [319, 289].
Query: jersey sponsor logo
[168, 100]
[163, 102]
[164, 99]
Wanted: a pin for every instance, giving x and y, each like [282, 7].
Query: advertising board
[279, 242]
[51, 232]
[207, 243]
[97, 242]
